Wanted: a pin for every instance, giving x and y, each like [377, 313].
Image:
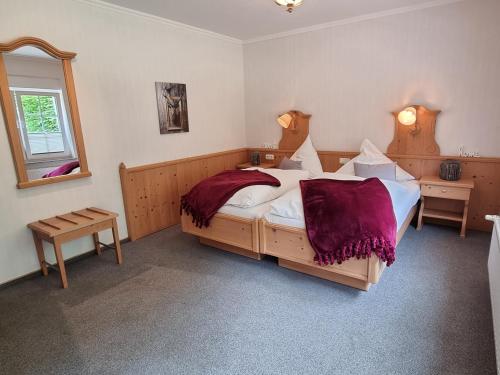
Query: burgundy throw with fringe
[347, 219]
[205, 198]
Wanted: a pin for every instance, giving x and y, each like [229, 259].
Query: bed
[284, 236]
[235, 227]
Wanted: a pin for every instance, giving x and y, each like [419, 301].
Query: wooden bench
[63, 228]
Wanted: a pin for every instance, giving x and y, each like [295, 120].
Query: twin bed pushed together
[341, 226]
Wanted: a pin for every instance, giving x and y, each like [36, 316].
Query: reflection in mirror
[38, 92]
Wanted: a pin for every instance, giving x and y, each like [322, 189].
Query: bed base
[230, 248]
[229, 233]
[293, 250]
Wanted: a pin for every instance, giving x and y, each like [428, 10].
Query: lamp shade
[408, 116]
[285, 120]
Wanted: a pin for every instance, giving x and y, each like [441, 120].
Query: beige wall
[120, 56]
[351, 77]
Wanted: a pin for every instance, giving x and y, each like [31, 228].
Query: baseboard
[74, 259]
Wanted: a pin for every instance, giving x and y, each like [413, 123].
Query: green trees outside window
[40, 114]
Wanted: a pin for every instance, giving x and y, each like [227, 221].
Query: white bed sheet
[255, 212]
[402, 204]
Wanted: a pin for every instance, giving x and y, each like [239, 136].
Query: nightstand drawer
[428, 190]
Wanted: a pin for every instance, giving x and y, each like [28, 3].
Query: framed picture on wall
[172, 107]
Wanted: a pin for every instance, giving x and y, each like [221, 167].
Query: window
[42, 124]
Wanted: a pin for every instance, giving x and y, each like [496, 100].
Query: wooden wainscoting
[151, 193]
[485, 198]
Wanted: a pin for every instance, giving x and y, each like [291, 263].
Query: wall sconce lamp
[287, 120]
[408, 117]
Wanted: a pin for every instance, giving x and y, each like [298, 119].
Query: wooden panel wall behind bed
[151, 193]
[485, 198]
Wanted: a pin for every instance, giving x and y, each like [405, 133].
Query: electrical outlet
[344, 161]
[269, 157]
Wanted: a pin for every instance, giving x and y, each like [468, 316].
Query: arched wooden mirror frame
[10, 115]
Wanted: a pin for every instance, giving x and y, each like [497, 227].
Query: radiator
[494, 276]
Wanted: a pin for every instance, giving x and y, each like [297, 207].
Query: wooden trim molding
[39, 43]
[52, 180]
[10, 123]
[10, 115]
[75, 115]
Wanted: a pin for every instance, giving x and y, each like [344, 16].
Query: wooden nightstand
[261, 165]
[433, 186]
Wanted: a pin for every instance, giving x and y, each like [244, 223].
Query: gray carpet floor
[177, 307]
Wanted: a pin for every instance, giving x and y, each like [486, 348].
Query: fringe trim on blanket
[359, 249]
[198, 220]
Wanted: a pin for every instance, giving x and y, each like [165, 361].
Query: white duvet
[404, 196]
[252, 196]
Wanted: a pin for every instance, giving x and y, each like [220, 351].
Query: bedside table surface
[435, 180]
[261, 165]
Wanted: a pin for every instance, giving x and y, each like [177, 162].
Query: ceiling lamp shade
[290, 5]
[408, 116]
[285, 120]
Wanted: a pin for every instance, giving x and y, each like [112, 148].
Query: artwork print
[172, 107]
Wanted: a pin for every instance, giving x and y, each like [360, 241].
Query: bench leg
[96, 243]
[41, 255]
[116, 238]
[60, 263]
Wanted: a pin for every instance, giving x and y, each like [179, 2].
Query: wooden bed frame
[230, 233]
[292, 248]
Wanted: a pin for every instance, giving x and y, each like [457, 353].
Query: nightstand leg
[420, 214]
[464, 219]
[60, 264]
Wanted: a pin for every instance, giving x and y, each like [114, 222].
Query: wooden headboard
[418, 139]
[294, 136]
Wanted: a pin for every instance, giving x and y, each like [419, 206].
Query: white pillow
[370, 154]
[257, 194]
[289, 205]
[309, 158]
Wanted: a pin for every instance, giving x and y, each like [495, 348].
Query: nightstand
[433, 186]
[261, 165]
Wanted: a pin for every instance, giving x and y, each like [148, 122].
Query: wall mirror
[40, 110]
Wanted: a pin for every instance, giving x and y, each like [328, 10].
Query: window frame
[68, 152]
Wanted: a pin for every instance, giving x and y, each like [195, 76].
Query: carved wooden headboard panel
[293, 136]
[417, 139]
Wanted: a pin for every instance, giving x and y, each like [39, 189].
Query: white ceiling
[249, 19]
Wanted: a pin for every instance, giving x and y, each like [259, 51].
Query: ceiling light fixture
[290, 5]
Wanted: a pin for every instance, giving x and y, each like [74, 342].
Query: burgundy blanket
[63, 169]
[346, 219]
[205, 199]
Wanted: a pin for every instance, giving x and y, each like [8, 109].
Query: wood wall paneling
[151, 193]
[485, 198]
